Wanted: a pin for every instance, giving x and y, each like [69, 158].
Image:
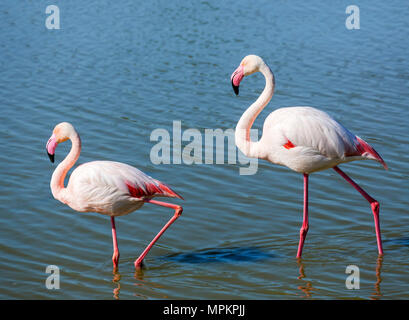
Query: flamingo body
[303, 139]
[106, 187]
[307, 140]
[112, 188]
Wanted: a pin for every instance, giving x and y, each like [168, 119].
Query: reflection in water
[116, 279]
[307, 288]
[144, 285]
[139, 274]
[377, 293]
[222, 255]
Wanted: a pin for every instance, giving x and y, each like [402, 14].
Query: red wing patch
[365, 148]
[168, 190]
[135, 192]
[288, 145]
[150, 190]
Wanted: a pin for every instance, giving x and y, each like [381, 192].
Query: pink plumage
[106, 187]
[365, 150]
[154, 188]
[303, 139]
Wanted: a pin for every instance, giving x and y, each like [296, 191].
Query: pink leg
[304, 228]
[115, 256]
[178, 212]
[374, 206]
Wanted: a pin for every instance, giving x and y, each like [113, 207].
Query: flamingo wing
[307, 139]
[113, 188]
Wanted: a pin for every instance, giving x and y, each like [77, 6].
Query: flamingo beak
[51, 156]
[50, 147]
[235, 88]
[236, 78]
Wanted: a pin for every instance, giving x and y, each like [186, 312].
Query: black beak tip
[235, 89]
[51, 156]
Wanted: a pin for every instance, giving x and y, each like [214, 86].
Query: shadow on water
[209, 255]
[222, 255]
[398, 241]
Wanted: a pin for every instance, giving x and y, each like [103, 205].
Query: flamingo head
[61, 133]
[249, 65]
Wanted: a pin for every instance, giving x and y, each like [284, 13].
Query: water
[118, 71]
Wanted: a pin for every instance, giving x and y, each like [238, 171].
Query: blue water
[120, 70]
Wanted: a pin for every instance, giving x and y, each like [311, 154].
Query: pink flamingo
[304, 139]
[107, 187]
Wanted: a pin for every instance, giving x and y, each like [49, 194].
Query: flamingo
[301, 138]
[106, 187]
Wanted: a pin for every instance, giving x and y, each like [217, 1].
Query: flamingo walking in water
[304, 139]
[107, 187]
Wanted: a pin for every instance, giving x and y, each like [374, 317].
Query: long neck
[242, 134]
[57, 180]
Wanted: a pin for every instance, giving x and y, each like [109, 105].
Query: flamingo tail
[154, 188]
[367, 151]
[168, 191]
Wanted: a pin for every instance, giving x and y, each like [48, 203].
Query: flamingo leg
[178, 212]
[374, 206]
[304, 227]
[115, 256]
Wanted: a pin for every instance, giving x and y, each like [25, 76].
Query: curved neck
[57, 180]
[242, 133]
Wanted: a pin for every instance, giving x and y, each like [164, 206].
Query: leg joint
[178, 211]
[375, 206]
[304, 230]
